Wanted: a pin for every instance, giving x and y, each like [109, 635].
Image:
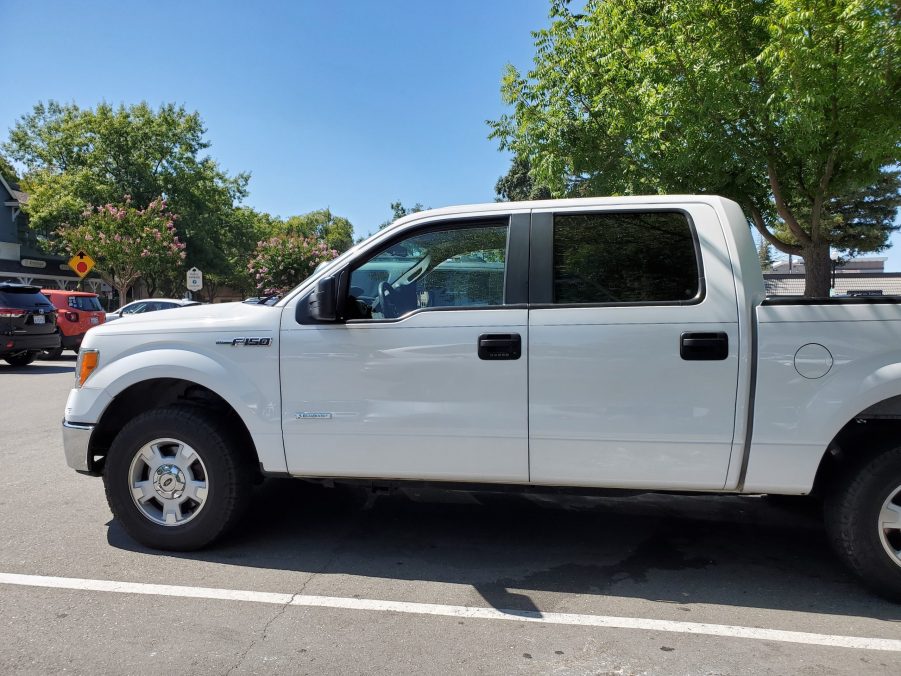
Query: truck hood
[196, 318]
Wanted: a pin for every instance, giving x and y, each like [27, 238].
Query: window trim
[541, 263]
[516, 270]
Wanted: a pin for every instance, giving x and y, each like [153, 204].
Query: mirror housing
[324, 301]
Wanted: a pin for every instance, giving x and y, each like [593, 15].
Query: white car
[604, 343]
[148, 305]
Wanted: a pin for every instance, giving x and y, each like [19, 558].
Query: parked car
[27, 323]
[621, 343]
[77, 311]
[138, 307]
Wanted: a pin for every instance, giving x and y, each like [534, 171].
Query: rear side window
[630, 257]
[85, 303]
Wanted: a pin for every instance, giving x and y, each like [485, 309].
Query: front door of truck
[425, 375]
[633, 348]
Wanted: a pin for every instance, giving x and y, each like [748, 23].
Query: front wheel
[175, 478]
[21, 358]
[863, 518]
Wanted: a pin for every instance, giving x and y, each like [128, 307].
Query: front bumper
[77, 444]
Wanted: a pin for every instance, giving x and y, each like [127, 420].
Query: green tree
[282, 261]
[398, 210]
[126, 243]
[78, 157]
[322, 224]
[517, 184]
[765, 255]
[7, 170]
[790, 107]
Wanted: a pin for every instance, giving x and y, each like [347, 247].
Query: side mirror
[324, 301]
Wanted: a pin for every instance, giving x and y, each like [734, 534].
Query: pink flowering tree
[282, 261]
[126, 243]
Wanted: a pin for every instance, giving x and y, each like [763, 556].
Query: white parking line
[568, 619]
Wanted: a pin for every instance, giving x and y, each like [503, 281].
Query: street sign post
[195, 279]
[81, 264]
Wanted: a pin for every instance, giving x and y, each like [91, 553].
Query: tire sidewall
[853, 521]
[199, 432]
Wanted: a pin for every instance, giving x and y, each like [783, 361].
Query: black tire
[21, 358]
[229, 474]
[852, 521]
[55, 353]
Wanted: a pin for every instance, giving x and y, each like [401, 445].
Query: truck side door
[633, 348]
[426, 376]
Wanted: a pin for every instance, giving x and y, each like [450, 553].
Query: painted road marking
[569, 619]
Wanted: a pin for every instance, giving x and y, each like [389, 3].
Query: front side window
[632, 257]
[453, 268]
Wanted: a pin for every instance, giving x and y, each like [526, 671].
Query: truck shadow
[38, 368]
[683, 550]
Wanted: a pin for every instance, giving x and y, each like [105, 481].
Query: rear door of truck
[633, 347]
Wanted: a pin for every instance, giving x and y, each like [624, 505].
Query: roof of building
[13, 189]
[889, 283]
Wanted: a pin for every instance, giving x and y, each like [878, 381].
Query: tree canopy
[76, 158]
[790, 107]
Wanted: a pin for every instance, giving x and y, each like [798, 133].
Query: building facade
[20, 259]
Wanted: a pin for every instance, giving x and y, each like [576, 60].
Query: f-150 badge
[246, 342]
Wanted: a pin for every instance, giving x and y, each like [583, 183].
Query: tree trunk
[123, 291]
[818, 271]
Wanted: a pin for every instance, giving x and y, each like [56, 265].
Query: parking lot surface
[320, 580]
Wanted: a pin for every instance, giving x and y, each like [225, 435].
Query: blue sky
[348, 105]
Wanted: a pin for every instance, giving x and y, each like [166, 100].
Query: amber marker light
[84, 367]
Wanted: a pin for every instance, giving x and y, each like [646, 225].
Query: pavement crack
[261, 637]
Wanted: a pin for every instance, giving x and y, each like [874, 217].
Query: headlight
[84, 367]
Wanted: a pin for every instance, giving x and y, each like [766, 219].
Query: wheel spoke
[890, 517]
[185, 456]
[143, 491]
[196, 490]
[171, 511]
[152, 455]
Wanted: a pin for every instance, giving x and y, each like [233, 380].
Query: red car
[77, 312]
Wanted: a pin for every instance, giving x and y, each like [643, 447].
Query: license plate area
[37, 319]
[95, 320]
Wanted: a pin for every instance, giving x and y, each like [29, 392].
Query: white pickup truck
[614, 343]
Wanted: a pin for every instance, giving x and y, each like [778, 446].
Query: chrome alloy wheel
[168, 482]
[890, 525]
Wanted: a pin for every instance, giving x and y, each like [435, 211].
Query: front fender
[247, 382]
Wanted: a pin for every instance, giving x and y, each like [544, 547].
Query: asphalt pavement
[319, 580]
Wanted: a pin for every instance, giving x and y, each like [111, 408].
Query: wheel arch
[156, 393]
[872, 431]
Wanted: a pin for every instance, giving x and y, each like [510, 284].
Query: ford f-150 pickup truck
[610, 343]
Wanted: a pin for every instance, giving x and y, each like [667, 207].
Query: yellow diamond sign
[81, 264]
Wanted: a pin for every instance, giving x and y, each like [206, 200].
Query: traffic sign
[81, 264]
[195, 279]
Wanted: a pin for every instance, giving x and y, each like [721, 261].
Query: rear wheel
[20, 358]
[863, 517]
[176, 479]
[55, 353]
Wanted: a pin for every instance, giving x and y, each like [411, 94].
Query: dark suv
[27, 323]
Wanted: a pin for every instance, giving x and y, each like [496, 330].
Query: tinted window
[25, 299]
[624, 258]
[460, 267]
[86, 303]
